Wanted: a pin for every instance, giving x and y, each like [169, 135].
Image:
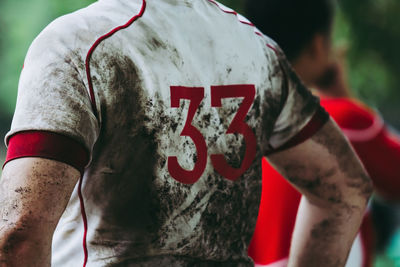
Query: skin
[34, 193]
[314, 60]
[338, 84]
[335, 190]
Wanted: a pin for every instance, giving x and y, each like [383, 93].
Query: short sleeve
[53, 100]
[301, 115]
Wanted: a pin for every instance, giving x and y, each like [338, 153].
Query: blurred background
[368, 29]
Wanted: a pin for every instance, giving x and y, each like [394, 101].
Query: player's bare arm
[33, 195]
[335, 190]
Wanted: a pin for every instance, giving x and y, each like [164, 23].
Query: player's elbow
[20, 238]
[359, 188]
[343, 191]
[356, 192]
[367, 187]
[355, 182]
[13, 242]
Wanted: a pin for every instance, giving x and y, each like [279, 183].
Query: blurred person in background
[304, 31]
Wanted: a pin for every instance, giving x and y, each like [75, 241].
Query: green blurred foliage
[372, 30]
[369, 77]
[20, 22]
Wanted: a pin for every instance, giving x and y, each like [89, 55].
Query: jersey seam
[97, 43]
[81, 78]
[248, 23]
[94, 107]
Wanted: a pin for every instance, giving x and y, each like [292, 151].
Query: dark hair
[291, 23]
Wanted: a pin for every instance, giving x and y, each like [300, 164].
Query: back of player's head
[292, 23]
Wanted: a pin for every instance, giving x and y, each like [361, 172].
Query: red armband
[47, 145]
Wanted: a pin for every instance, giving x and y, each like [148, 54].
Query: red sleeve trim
[232, 12]
[314, 125]
[47, 145]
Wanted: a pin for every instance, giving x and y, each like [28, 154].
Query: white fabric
[280, 263]
[137, 213]
[356, 256]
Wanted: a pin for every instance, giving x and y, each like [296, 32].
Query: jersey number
[195, 95]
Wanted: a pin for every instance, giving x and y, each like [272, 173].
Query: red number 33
[196, 95]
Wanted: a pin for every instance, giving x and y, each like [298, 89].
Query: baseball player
[138, 136]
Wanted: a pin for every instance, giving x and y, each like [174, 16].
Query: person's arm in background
[336, 189]
[33, 194]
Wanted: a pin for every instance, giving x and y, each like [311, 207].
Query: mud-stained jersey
[176, 102]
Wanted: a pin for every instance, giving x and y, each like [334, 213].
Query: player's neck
[304, 70]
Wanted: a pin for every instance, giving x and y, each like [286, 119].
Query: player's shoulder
[349, 112]
[76, 32]
[247, 26]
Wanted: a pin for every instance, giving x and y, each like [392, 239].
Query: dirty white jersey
[166, 107]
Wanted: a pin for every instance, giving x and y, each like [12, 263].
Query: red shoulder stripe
[242, 21]
[231, 12]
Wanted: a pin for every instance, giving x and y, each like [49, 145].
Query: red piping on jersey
[231, 12]
[94, 107]
[84, 218]
[320, 117]
[242, 21]
[94, 46]
[269, 45]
